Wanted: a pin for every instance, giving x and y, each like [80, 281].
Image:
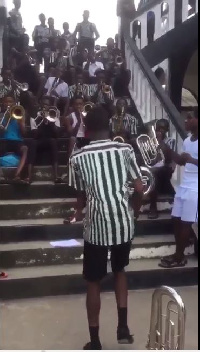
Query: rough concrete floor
[59, 323]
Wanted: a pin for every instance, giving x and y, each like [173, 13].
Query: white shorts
[186, 205]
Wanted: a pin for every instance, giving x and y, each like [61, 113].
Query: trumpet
[46, 116]
[15, 112]
[23, 87]
[87, 107]
[173, 338]
[106, 89]
[119, 60]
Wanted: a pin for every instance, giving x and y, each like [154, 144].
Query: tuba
[15, 112]
[149, 149]
[172, 336]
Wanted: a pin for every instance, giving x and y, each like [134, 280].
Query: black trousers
[48, 145]
[86, 43]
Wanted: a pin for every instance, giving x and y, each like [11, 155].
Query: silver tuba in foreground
[165, 333]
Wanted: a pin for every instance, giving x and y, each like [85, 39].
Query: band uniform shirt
[93, 67]
[62, 89]
[130, 124]
[81, 131]
[86, 29]
[102, 170]
[84, 90]
[4, 90]
[41, 34]
[93, 89]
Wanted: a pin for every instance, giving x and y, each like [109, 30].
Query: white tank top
[190, 175]
[81, 131]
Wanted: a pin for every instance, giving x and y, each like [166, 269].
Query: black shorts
[8, 146]
[96, 258]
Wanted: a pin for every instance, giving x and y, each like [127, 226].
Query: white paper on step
[67, 243]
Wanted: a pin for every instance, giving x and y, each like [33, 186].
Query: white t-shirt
[94, 67]
[190, 175]
[81, 131]
[62, 89]
[33, 122]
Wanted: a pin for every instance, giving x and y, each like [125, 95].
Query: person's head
[42, 18]
[17, 4]
[120, 104]
[51, 71]
[47, 101]
[66, 26]
[51, 22]
[191, 121]
[160, 75]
[162, 128]
[101, 76]
[58, 72]
[97, 123]
[79, 77]
[86, 15]
[8, 101]
[7, 75]
[110, 43]
[78, 103]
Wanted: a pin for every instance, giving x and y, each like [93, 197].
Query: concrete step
[34, 209]
[40, 173]
[37, 190]
[62, 142]
[38, 253]
[67, 279]
[42, 229]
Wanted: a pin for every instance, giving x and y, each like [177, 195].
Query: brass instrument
[87, 107]
[172, 337]
[23, 87]
[106, 89]
[45, 116]
[15, 112]
[119, 60]
[149, 149]
[118, 127]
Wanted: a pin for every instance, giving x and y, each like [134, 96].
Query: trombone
[49, 115]
[15, 112]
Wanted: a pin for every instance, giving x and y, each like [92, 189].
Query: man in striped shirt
[100, 173]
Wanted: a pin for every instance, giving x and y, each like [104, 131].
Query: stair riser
[35, 211]
[74, 284]
[58, 232]
[39, 173]
[18, 192]
[59, 256]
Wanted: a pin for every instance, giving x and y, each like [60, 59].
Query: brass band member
[75, 126]
[79, 88]
[101, 93]
[124, 124]
[11, 136]
[44, 135]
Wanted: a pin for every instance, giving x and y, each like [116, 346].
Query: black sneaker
[90, 346]
[124, 337]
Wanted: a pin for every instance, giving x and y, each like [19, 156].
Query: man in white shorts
[185, 210]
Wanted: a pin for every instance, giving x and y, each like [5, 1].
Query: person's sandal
[124, 337]
[173, 263]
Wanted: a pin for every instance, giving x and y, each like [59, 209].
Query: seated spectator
[6, 86]
[75, 127]
[41, 37]
[45, 135]
[128, 123]
[92, 65]
[79, 88]
[11, 137]
[56, 87]
[162, 171]
[101, 93]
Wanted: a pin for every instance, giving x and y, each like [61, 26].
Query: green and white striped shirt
[103, 170]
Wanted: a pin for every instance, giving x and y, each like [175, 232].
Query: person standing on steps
[185, 210]
[100, 172]
[86, 31]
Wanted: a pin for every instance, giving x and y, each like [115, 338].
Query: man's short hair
[97, 120]
[164, 123]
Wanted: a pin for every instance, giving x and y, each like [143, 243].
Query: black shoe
[124, 337]
[90, 346]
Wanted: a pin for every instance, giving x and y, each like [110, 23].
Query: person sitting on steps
[11, 137]
[163, 170]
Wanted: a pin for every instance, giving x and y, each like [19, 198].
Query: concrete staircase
[32, 217]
